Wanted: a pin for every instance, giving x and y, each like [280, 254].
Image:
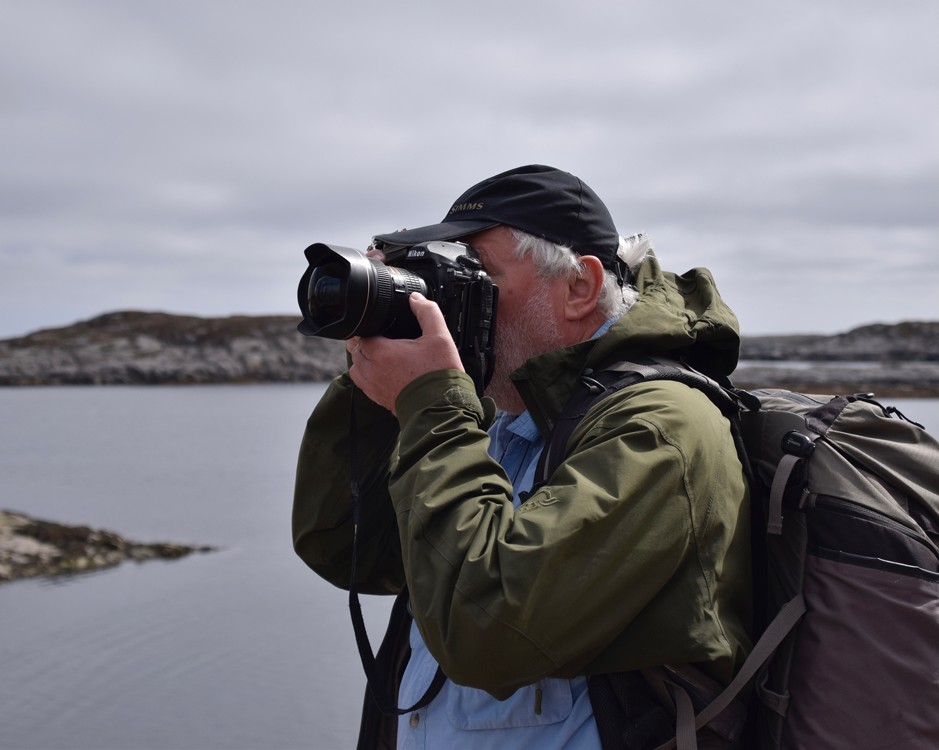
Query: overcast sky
[178, 155]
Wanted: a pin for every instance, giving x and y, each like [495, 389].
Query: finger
[428, 315]
[375, 254]
[353, 344]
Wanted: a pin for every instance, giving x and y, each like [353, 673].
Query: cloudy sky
[178, 155]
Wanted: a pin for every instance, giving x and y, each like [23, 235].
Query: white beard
[534, 331]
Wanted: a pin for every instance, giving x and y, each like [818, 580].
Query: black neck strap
[381, 684]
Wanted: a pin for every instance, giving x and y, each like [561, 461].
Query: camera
[345, 293]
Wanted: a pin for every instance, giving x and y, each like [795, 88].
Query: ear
[583, 290]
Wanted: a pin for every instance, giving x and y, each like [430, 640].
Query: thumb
[428, 315]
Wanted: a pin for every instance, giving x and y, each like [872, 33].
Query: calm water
[243, 648]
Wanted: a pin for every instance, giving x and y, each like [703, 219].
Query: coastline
[154, 348]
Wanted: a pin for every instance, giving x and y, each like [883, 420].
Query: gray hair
[553, 260]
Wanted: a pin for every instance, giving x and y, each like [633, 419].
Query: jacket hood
[682, 317]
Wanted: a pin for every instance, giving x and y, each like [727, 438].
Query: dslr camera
[344, 293]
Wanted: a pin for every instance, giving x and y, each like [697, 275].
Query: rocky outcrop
[913, 341]
[152, 348]
[31, 547]
[143, 348]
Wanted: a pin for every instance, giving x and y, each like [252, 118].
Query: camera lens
[344, 293]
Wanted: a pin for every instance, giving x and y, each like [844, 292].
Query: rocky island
[32, 547]
[136, 348]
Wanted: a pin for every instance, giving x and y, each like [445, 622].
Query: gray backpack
[845, 506]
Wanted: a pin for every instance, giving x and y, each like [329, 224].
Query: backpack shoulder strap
[596, 385]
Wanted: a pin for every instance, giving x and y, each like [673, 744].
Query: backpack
[845, 514]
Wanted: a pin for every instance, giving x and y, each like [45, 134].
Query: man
[633, 555]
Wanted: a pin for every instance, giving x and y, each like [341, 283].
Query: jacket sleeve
[505, 597]
[322, 507]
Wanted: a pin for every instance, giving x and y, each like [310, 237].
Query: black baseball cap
[542, 201]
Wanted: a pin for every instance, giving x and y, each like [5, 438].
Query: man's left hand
[382, 367]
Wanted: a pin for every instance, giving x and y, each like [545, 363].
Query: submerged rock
[32, 547]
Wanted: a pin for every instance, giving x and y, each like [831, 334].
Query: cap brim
[448, 230]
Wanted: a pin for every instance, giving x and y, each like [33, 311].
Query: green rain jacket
[636, 552]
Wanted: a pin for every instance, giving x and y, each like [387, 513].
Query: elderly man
[635, 551]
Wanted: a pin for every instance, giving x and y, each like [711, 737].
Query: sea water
[240, 648]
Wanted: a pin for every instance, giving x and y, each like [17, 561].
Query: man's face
[527, 322]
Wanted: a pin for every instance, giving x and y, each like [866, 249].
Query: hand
[382, 367]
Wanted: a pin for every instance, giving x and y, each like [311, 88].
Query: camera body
[344, 293]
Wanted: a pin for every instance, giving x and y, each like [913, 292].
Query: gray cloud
[180, 156]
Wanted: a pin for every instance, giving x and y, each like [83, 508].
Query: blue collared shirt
[549, 715]
[552, 714]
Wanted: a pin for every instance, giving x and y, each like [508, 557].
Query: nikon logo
[466, 207]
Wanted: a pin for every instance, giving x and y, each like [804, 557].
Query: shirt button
[414, 720]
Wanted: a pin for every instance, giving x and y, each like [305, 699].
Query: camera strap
[380, 672]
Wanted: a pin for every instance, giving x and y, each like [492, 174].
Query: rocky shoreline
[31, 547]
[141, 348]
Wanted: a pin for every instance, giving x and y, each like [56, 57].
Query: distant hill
[131, 347]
